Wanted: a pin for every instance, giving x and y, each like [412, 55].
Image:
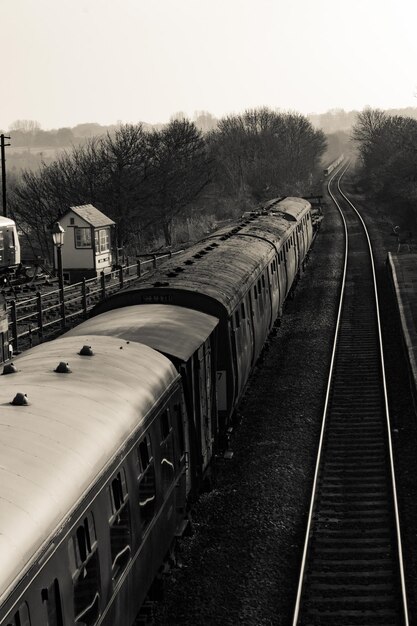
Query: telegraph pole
[3, 171]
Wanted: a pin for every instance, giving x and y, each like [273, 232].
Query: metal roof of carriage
[222, 265]
[173, 330]
[5, 221]
[52, 450]
[290, 206]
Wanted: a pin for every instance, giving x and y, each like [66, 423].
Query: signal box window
[82, 237]
[102, 240]
[84, 564]
[51, 599]
[120, 534]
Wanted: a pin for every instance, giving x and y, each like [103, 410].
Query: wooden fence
[47, 313]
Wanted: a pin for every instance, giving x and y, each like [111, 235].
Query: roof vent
[189, 262]
[63, 368]
[172, 274]
[159, 284]
[20, 399]
[86, 351]
[9, 368]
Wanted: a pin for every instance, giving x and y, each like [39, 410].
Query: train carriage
[189, 339]
[92, 481]
[9, 244]
[240, 274]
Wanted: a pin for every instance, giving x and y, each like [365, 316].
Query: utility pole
[3, 172]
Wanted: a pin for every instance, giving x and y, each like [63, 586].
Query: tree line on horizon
[387, 147]
[149, 180]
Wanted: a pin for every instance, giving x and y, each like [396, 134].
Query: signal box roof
[92, 216]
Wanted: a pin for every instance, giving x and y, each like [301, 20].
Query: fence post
[121, 282]
[154, 260]
[103, 285]
[30, 335]
[40, 318]
[84, 297]
[138, 268]
[14, 327]
[127, 266]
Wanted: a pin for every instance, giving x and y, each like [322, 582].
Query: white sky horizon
[68, 62]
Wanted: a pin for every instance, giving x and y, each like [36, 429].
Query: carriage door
[205, 384]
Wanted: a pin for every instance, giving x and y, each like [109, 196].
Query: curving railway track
[352, 571]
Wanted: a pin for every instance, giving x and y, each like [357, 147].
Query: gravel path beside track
[241, 564]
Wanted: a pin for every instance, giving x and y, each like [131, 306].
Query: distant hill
[338, 120]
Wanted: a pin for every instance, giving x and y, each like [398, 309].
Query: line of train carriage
[108, 432]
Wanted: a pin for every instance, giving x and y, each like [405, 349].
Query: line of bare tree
[387, 146]
[145, 179]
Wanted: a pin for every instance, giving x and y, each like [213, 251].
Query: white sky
[71, 61]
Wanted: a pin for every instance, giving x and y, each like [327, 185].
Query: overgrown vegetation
[150, 180]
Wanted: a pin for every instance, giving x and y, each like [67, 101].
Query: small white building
[89, 246]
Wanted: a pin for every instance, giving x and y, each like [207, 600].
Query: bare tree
[262, 153]
[180, 169]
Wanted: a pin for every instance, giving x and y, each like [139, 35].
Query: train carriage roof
[52, 450]
[173, 330]
[5, 221]
[222, 265]
[293, 207]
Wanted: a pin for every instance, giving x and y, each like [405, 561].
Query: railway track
[352, 571]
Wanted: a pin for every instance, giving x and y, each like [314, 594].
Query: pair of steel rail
[352, 566]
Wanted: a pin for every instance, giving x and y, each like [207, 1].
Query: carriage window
[83, 557]
[167, 451]
[144, 454]
[147, 489]
[259, 287]
[242, 308]
[120, 535]
[237, 319]
[263, 281]
[255, 293]
[51, 598]
[165, 426]
[21, 617]
[180, 428]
